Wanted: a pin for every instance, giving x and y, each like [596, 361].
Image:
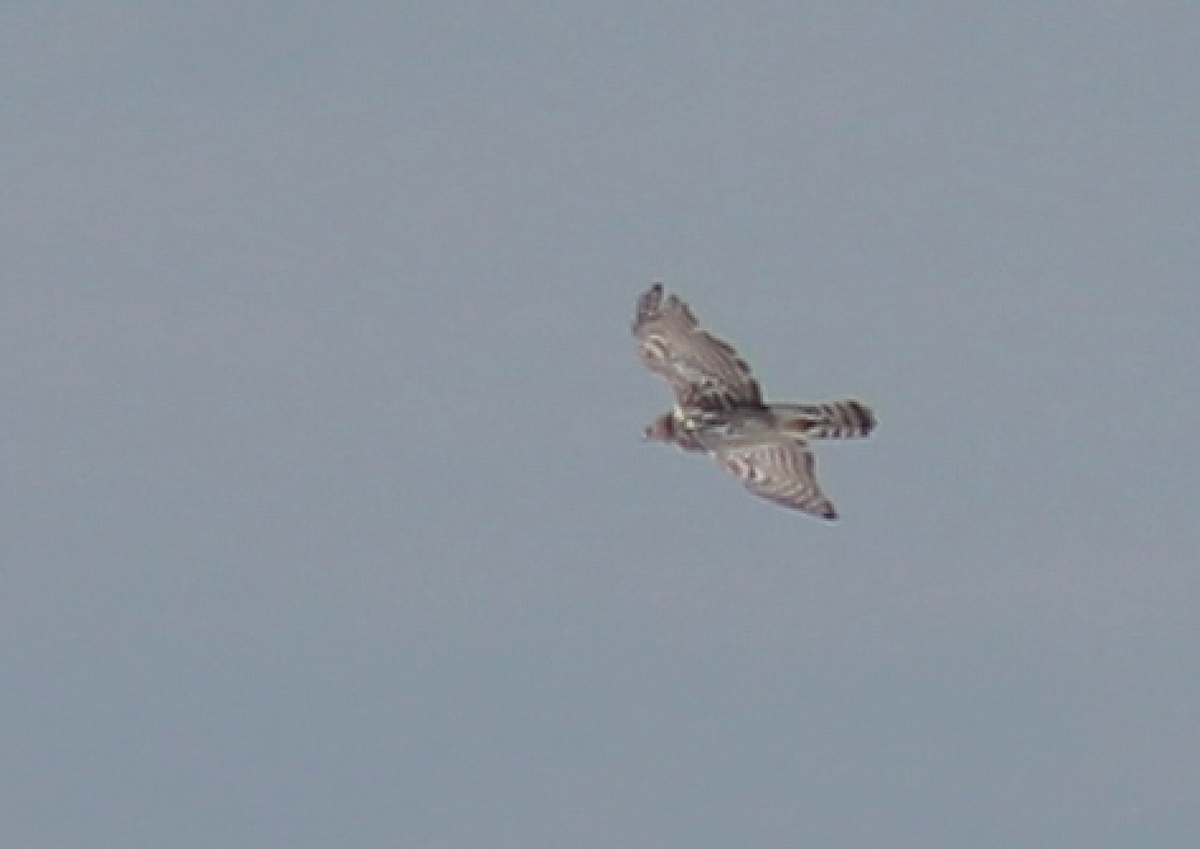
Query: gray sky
[327, 517]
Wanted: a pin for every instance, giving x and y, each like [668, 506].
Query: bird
[720, 410]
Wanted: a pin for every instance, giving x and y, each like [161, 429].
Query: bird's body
[720, 410]
[831, 420]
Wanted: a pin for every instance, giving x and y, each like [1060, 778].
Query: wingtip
[648, 305]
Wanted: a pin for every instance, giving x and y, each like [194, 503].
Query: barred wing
[704, 371]
[780, 469]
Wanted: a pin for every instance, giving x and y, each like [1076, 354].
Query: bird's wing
[780, 469]
[704, 371]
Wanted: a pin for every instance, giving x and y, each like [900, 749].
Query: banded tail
[831, 420]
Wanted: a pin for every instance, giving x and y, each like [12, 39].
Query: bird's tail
[831, 420]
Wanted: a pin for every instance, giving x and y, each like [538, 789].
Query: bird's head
[674, 429]
[662, 428]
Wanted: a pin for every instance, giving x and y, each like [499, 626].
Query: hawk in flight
[719, 409]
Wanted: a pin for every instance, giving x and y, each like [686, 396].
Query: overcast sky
[327, 520]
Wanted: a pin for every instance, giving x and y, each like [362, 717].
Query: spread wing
[780, 469]
[704, 371]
